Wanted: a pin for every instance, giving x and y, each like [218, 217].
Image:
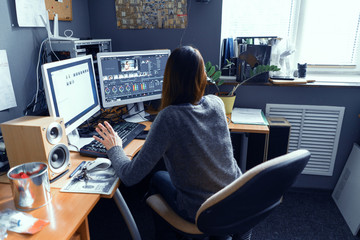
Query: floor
[303, 214]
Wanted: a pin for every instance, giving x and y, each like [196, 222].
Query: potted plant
[213, 76]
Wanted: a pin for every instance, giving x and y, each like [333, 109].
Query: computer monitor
[130, 78]
[71, 91]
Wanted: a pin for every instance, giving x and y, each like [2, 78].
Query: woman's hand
[109, 137]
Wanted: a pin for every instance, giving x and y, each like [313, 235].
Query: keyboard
[127, 131]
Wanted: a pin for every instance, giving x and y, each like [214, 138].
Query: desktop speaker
[279, 137]
[37, 139]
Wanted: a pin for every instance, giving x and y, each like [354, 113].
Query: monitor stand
[136, 113]
[75, 142]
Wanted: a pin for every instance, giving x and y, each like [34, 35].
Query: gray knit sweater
[194, 141]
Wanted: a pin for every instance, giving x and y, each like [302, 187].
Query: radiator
[315, 128]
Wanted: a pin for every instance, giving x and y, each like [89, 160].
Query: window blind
[329, 32]
[258, 18]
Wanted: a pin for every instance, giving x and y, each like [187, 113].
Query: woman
[190, 133]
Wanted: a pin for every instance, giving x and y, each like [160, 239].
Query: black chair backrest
[249, 199]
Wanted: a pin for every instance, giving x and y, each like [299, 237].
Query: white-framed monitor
[130, 78]
[71, 91]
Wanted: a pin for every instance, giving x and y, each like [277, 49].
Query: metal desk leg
[243, 151]
[130, 222]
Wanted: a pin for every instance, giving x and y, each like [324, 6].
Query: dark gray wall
[22, 47]
[204, 32]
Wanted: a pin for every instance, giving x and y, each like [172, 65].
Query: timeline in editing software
[137, 76]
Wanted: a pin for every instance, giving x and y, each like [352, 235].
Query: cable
[34, 99]
[53, 50]
[37, 75]
[76, 147]
[182, 35]
[71, 33]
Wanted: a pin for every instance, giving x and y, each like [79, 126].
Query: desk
[68, 212]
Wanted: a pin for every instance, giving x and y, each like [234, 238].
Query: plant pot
[228, 101]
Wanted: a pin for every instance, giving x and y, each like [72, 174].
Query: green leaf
[274, 68]
[228, 64]
[211, 71]
[216, 75]
[208, 66]
[220, 82]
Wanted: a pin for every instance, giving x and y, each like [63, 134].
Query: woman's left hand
[109, 137]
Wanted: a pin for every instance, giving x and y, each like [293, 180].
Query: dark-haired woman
[190, 133]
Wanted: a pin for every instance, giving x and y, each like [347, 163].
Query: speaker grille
[59, 158]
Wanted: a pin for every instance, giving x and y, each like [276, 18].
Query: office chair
[237, 208]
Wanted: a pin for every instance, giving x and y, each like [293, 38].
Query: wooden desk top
[247, 128]
[66, 212]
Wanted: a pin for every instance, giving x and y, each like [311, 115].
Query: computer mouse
[99, 164]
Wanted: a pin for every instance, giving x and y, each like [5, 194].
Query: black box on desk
[279, 136]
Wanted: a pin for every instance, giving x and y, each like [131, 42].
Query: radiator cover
[315, 128]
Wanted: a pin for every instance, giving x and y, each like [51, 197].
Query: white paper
[7, 95]
[100, 182]
[29, 13]
[247, 116]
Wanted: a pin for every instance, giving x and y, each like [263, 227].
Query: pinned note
[7, 95]
[29, 12]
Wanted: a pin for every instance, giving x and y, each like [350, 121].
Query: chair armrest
[160, 206]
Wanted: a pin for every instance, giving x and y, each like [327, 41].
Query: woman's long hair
[184, 77]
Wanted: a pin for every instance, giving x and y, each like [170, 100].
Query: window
[241, 18]
[325, 34]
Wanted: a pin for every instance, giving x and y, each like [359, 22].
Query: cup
[302, 70]
[30, 185]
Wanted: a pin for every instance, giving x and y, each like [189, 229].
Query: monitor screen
[131, 76]
[71, 92]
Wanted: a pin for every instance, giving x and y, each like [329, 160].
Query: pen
[59, 176]
[77, 169]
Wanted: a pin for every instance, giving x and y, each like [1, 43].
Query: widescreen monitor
[131, 77]
[71, 90]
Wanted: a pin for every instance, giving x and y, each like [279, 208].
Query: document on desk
[248, 116]
[99, 182]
